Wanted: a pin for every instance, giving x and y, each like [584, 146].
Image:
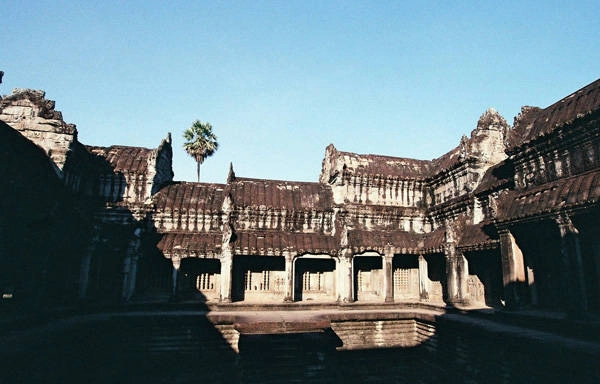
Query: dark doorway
[199, 279]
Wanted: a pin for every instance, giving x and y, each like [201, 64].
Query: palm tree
[200, 142]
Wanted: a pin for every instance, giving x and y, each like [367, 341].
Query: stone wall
[374, 180]
[29, 112]
[370, 217]
[268, 218]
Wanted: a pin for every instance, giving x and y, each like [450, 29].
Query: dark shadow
[189, 347]
[436, 272]
[197, 276]
[116, 235]
[299, 357]
[137, 347]
[63, 225]
[44, 229]
[155, 281]
[486, 265]
[546, 283]
[589, 227]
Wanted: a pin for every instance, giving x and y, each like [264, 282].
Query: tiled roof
[497, 177]
[446, 161]
[533, 123]
[479, 236]
[183, 196]
[434, 241]
[565, 193]
[361, 241]
[124, 159]
[207, 244]
[399, 167]
[386, 166]
[277, 243]
[260, 243]
[280, 194]
[400, 241]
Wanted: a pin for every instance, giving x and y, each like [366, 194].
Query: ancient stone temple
[506, 218]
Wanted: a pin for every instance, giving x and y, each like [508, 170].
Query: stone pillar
[289, 279]
[130, 268]
[126, 269]
[226, 276]
[84, 269]
[345, 278]
[451, 274]
[424, 285]
[513, 269]
[133, 275]
[462, 267]
[570, 252]
[388, 277]
[175, 279]
[533, 295]
[84, 273]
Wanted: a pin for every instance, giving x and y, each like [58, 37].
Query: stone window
[205, 281]
[257, 281]
[312, 281]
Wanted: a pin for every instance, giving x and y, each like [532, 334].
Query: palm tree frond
[200, 142]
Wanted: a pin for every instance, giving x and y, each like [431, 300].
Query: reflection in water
[188, 349]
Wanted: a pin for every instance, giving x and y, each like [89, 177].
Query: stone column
[226, 276]
[130, 269]
[462, 267]
[125, 285]
[345, 278]
[451, 274]
[570, 251]
[133, 275]
[84, 269]
[513, 269]
[423, 279]
[175, 279]
[533, 295]
[388, 278]
[84, 273]
[289, 279]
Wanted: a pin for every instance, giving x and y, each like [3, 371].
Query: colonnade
[345, 276]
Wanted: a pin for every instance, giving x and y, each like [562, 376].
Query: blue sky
[280, 80]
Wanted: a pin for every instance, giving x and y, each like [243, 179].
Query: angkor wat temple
[508, 218]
